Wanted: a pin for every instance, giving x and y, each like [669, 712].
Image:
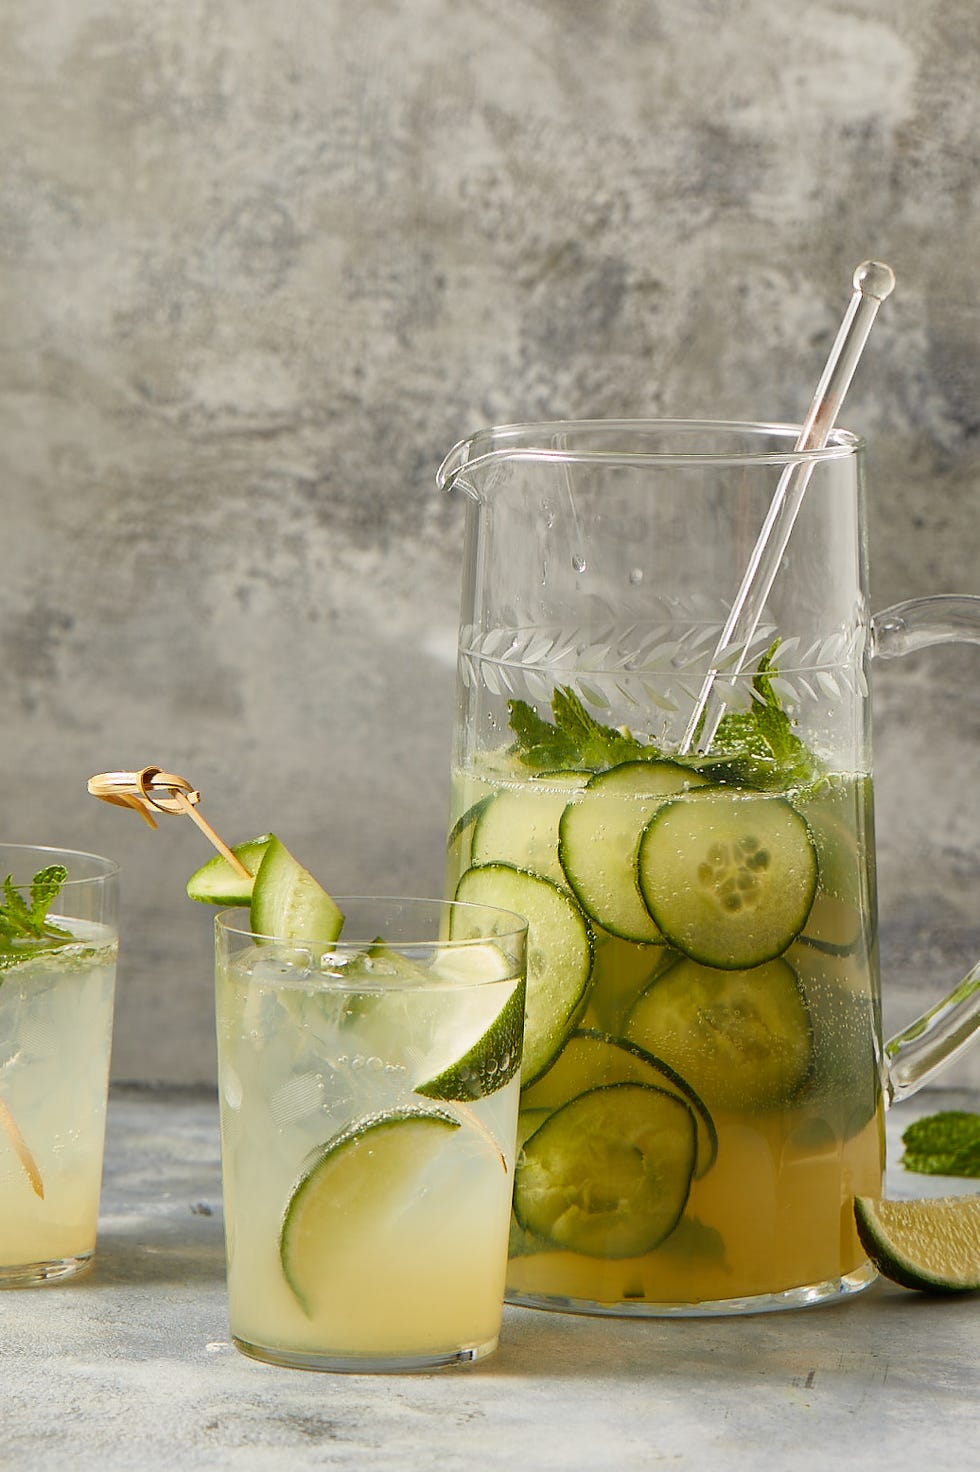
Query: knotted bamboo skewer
[151, 791]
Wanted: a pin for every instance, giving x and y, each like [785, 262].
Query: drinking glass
[368, 1102]
[56, 1005]
[704, 1077]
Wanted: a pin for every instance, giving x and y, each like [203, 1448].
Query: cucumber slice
[520, 826]
[728, 877]
[523, 1243]
[592, 1059]
[741, 1039]
[353, 1185]
[844, 1086]
[459, 844]
[834, 927]
[287, 902]
[217, 883]
[608, 1174]
[559, 954]
[598, 839]
[621, 971]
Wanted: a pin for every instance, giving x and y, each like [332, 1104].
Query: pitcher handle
[942, 1033]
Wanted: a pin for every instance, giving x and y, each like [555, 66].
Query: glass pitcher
[704, 1078]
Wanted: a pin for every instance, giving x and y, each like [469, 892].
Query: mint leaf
[539, 744]
[597, 745]
[15, 911]
[944, 1144]
[759, 746]
[24, 926]
[756, 747]
[46, 885]
[575, 741]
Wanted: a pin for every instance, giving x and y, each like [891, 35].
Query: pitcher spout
[449, 474]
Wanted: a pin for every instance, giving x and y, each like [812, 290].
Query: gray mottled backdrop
[263, 264]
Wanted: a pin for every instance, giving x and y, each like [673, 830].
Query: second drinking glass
[368, 1097]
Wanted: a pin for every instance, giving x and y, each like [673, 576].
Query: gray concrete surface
[132, 1367]
[260, 266]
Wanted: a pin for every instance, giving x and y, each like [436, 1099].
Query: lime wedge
[932, 1245]
[354, 1187]
[487, 1064]
[217, 883]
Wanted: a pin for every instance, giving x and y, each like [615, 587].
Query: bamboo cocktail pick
[151, 791]
[22, 1152]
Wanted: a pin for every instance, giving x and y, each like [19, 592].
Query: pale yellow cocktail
[368, 1115]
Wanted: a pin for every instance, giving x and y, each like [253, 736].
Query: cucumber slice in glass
[591, 1059]
[521, 827]
[608, 1174]
[844, 1086]
[598, 839]
[728, 877]
[287, 901]
[559, 954]
[622, 969]
[217, 883]
[459, 844]
[741, 1039]
[354, 1184]
[834, 927]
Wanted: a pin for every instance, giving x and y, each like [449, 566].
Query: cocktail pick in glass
[873, 282]
[23, 1154]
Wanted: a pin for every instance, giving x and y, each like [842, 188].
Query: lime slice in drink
[932, 1245]
[452, 1020]
[352, 1190]
[489, 1062]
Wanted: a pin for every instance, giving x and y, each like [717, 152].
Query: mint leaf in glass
[754, 748]
[758, 746]
[24, 925]
[575, 741]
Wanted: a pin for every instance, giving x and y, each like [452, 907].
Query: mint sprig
[24, 925]
[575, 741]
[758, 746]
[755, 748]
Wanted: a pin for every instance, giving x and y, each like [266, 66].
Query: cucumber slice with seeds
[598, 839]
[559, 954]
[608, 1174]
[741, 1039]
[592, 1059]
[728, 878]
